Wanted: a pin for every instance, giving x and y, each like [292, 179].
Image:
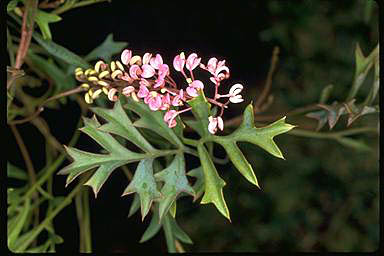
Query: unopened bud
[88, 98]
[97, 65]
[134, 97]
[85, 86]
[135, 60]
[93, 79]
[116, 73]
[96, 93]
[119, 65]
[113, 66]
[103, 74]
[102, 83]
[105, 90]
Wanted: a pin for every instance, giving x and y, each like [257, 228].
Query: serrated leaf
[175, 182]
[16, 172]
[62, 81]
[263, 137]
[199, 185]
[201, 111]
[60, 52]
[144, 184]
[106, 49]
[213, 183]
[152, 120]
[135, 205]
[43, 19]
[120, 124]
[153, 228]
[84, 161]
[178, 232]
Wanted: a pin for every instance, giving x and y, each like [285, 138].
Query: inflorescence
[147, 78]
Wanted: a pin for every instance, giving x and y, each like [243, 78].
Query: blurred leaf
[106, 50]
[172, 210]
[355, 144]
[152, 120]
[12, 5]
[213, 183]
[334, 112]
[144, 184]
[120, 124]
[321, 116]
[60, 52]
[175, 182]
[62, 81]
[14, 231]
[43, 19]
[84, 161]
[16, 172]
[325, 93]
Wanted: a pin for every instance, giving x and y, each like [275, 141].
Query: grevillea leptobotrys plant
[144, 86]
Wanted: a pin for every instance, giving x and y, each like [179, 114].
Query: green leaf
[62, 81]
[172, 210]
[60, 52]
[144, 184]
[201, 111]
[325, 93]
[355, 144]
[199, 185]
[263, 137]
[16, 172]
[120, 124]
[175, 182]
[16, 229]
[135, 205]
[84, 161]
[152, 120]
[12, 5]
[106, 50]
[43, 19]
[213, 183]
[178, 232]
[153, 228]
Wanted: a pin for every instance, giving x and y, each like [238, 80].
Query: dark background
[323, 197]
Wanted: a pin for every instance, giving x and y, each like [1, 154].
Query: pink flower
[178, 99]
[156, 62]
[112, 95]
[169, 118]
[147, 57]
[144, 82]
[128, 90]
[134, 71]
[215, 68]
[127, 78]
[165, 102]
[148, 71]
[126, 56]
[193, 87]
[143, 92]
[214, 123]
[179, 62]
[192, 61]
[160, 82]
[163, 70]
[153, 100]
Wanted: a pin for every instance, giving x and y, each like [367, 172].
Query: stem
[10, 48]
[72, 4]
[87, 222]
[330, 135]
[268, 83]
[169, 236]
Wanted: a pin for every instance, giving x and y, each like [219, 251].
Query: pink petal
[212, 126]
[220, 69]
[197, 84]
[143, 92]
[220, 123]
[134, 70]
[192, 61]
[163, 70]
[128, 90]
[169, 114]
[148, 71]
[111, 94]
[178, 63]
[159, 82]
[144, 82]
[126, 56]
[147, 57]
[192, 91]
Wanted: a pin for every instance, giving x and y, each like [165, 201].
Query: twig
[330, 135]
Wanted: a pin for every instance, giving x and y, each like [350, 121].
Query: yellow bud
[135, 59]
[86, 86]
[105, 90]
[97, 65]
[93, 79]
[189, 80]
[87, 71]
[102, 83]
[163, 90]
[78, 69]
[134, 97]
[113, 66]
[119, 65]
[116, 73]
[96, 93]
[88, 98]
[90, 92]
[79, 73]
[92, 72]
[103, 74]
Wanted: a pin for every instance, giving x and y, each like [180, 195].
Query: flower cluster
[148, 79]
